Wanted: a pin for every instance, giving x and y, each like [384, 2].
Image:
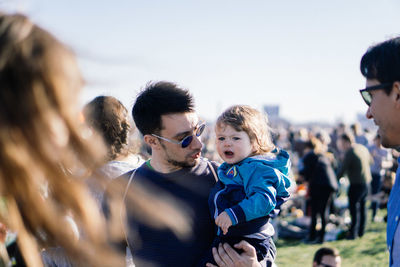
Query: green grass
[370, 250]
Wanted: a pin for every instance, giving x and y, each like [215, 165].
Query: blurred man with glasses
[380, 65]
[165, 115]
[327, 257]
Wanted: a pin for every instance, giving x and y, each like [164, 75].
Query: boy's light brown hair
[253, 122]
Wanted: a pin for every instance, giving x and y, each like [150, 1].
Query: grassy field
[370, 250]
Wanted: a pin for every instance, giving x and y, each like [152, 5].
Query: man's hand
[224, 222]
[225, 255]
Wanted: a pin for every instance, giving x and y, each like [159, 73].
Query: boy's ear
[254, 146]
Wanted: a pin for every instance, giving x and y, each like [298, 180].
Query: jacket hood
[278, 159]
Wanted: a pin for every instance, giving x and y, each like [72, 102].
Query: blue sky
[302, 55]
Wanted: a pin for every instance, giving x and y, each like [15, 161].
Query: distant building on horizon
[272, 110]
[274, 118]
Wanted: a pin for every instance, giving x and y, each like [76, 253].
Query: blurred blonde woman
[46, 153]
[42, 144]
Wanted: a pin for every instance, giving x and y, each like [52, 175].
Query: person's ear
[396, 93]
[254, 147]
[152, 141]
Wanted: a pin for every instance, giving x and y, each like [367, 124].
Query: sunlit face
[176, 127]
[384, 111]
[232, 146]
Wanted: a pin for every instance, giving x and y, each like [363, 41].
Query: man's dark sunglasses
[366, 95]
[188, 139]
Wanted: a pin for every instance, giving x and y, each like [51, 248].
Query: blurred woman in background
[43, 148]
[322, 185]
[47, 153]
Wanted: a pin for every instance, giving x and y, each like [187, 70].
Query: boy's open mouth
[228, 153]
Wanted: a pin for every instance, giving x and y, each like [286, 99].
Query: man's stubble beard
[181, 164]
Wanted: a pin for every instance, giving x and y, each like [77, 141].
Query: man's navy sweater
[189, 188]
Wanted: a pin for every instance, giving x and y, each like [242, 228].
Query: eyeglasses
[188, 139]
[366, 95]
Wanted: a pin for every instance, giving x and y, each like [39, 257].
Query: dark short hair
[347, 136]
[382, 62]
[108, 116]
[324, 251]
[157, 99]
[356, 128]
[313, 143]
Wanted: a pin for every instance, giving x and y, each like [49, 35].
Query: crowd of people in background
[335, 162]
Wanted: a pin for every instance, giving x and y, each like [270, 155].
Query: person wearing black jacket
[322, 182]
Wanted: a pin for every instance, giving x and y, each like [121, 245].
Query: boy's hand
[224, 222]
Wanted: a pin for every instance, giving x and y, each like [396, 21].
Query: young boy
[253, 180]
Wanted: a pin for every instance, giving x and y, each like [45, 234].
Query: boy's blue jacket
[251, 189]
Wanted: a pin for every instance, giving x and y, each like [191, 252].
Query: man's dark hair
[324, 252]
[157, 99]
[382, 62]
[108, 116]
